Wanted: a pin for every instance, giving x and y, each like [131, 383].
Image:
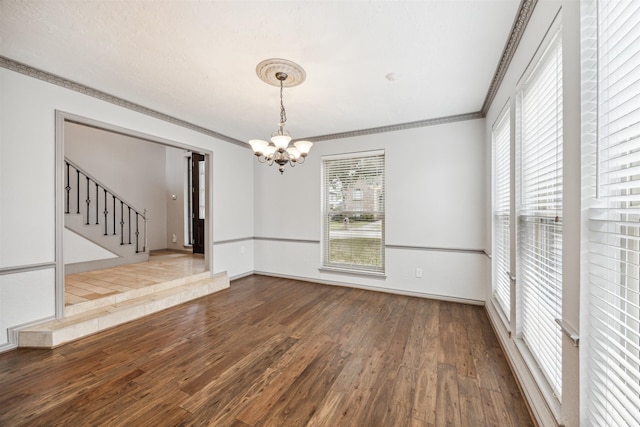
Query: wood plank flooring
[274, 352]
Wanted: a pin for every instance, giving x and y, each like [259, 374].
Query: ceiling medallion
[267, 70]
[280, 72]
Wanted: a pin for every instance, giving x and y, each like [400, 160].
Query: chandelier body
[279, 152]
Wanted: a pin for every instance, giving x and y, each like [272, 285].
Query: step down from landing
[94, 316]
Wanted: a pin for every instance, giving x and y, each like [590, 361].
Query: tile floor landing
[102, 299]
[163, 266]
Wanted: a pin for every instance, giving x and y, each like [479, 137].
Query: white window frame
[551, 393]
[325, 227]
[501, 268]
[611, 370]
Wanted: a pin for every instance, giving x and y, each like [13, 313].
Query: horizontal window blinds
[353, 231]
[613, 374]
[501, 212]
[540, 213]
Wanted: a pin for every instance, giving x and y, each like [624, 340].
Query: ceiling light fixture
[280, 72]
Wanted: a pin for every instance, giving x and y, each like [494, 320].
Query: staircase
[89, 317]
[101, 216]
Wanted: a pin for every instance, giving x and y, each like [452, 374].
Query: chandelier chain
[283, 113]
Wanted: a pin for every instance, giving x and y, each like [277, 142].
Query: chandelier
[280, 72]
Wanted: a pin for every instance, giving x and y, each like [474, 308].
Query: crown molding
[399, 126]
[525, 11]
[27, 70]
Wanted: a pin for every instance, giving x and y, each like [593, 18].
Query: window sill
[336, 270]
[503, 317]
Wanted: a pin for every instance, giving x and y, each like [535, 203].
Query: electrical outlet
[418, 272]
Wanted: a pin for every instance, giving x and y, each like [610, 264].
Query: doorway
[203, 204]
[198, 197]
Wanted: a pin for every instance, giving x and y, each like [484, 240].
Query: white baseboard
[240, 276]
[81, 267]
[13, 332]
[375, 288]
[7, 347]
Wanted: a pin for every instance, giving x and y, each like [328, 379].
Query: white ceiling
[195, 60]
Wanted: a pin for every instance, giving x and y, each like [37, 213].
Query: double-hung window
[611, 112]
[353, 212]
[501, 136]
[539, 210]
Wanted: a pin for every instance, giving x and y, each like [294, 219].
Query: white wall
[134, 169]
[435, 199]
[79, 249]
[24, 297]
[27, 189]
[27, 173]
[540, 22]
[174, 181]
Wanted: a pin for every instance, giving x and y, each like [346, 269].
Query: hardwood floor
[274, 352]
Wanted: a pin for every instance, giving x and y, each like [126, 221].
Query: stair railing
[80, 183]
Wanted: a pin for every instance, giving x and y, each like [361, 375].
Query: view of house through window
[353, 230]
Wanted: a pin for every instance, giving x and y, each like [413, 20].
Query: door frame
[60, 118]
[195, 207]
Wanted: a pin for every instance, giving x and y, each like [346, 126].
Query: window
[539, 251]
[353, 229]
[501, 136]
[611, 39]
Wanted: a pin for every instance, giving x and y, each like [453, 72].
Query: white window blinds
[613, 373]
[540, 212]
[353, 231]
[501, 135]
